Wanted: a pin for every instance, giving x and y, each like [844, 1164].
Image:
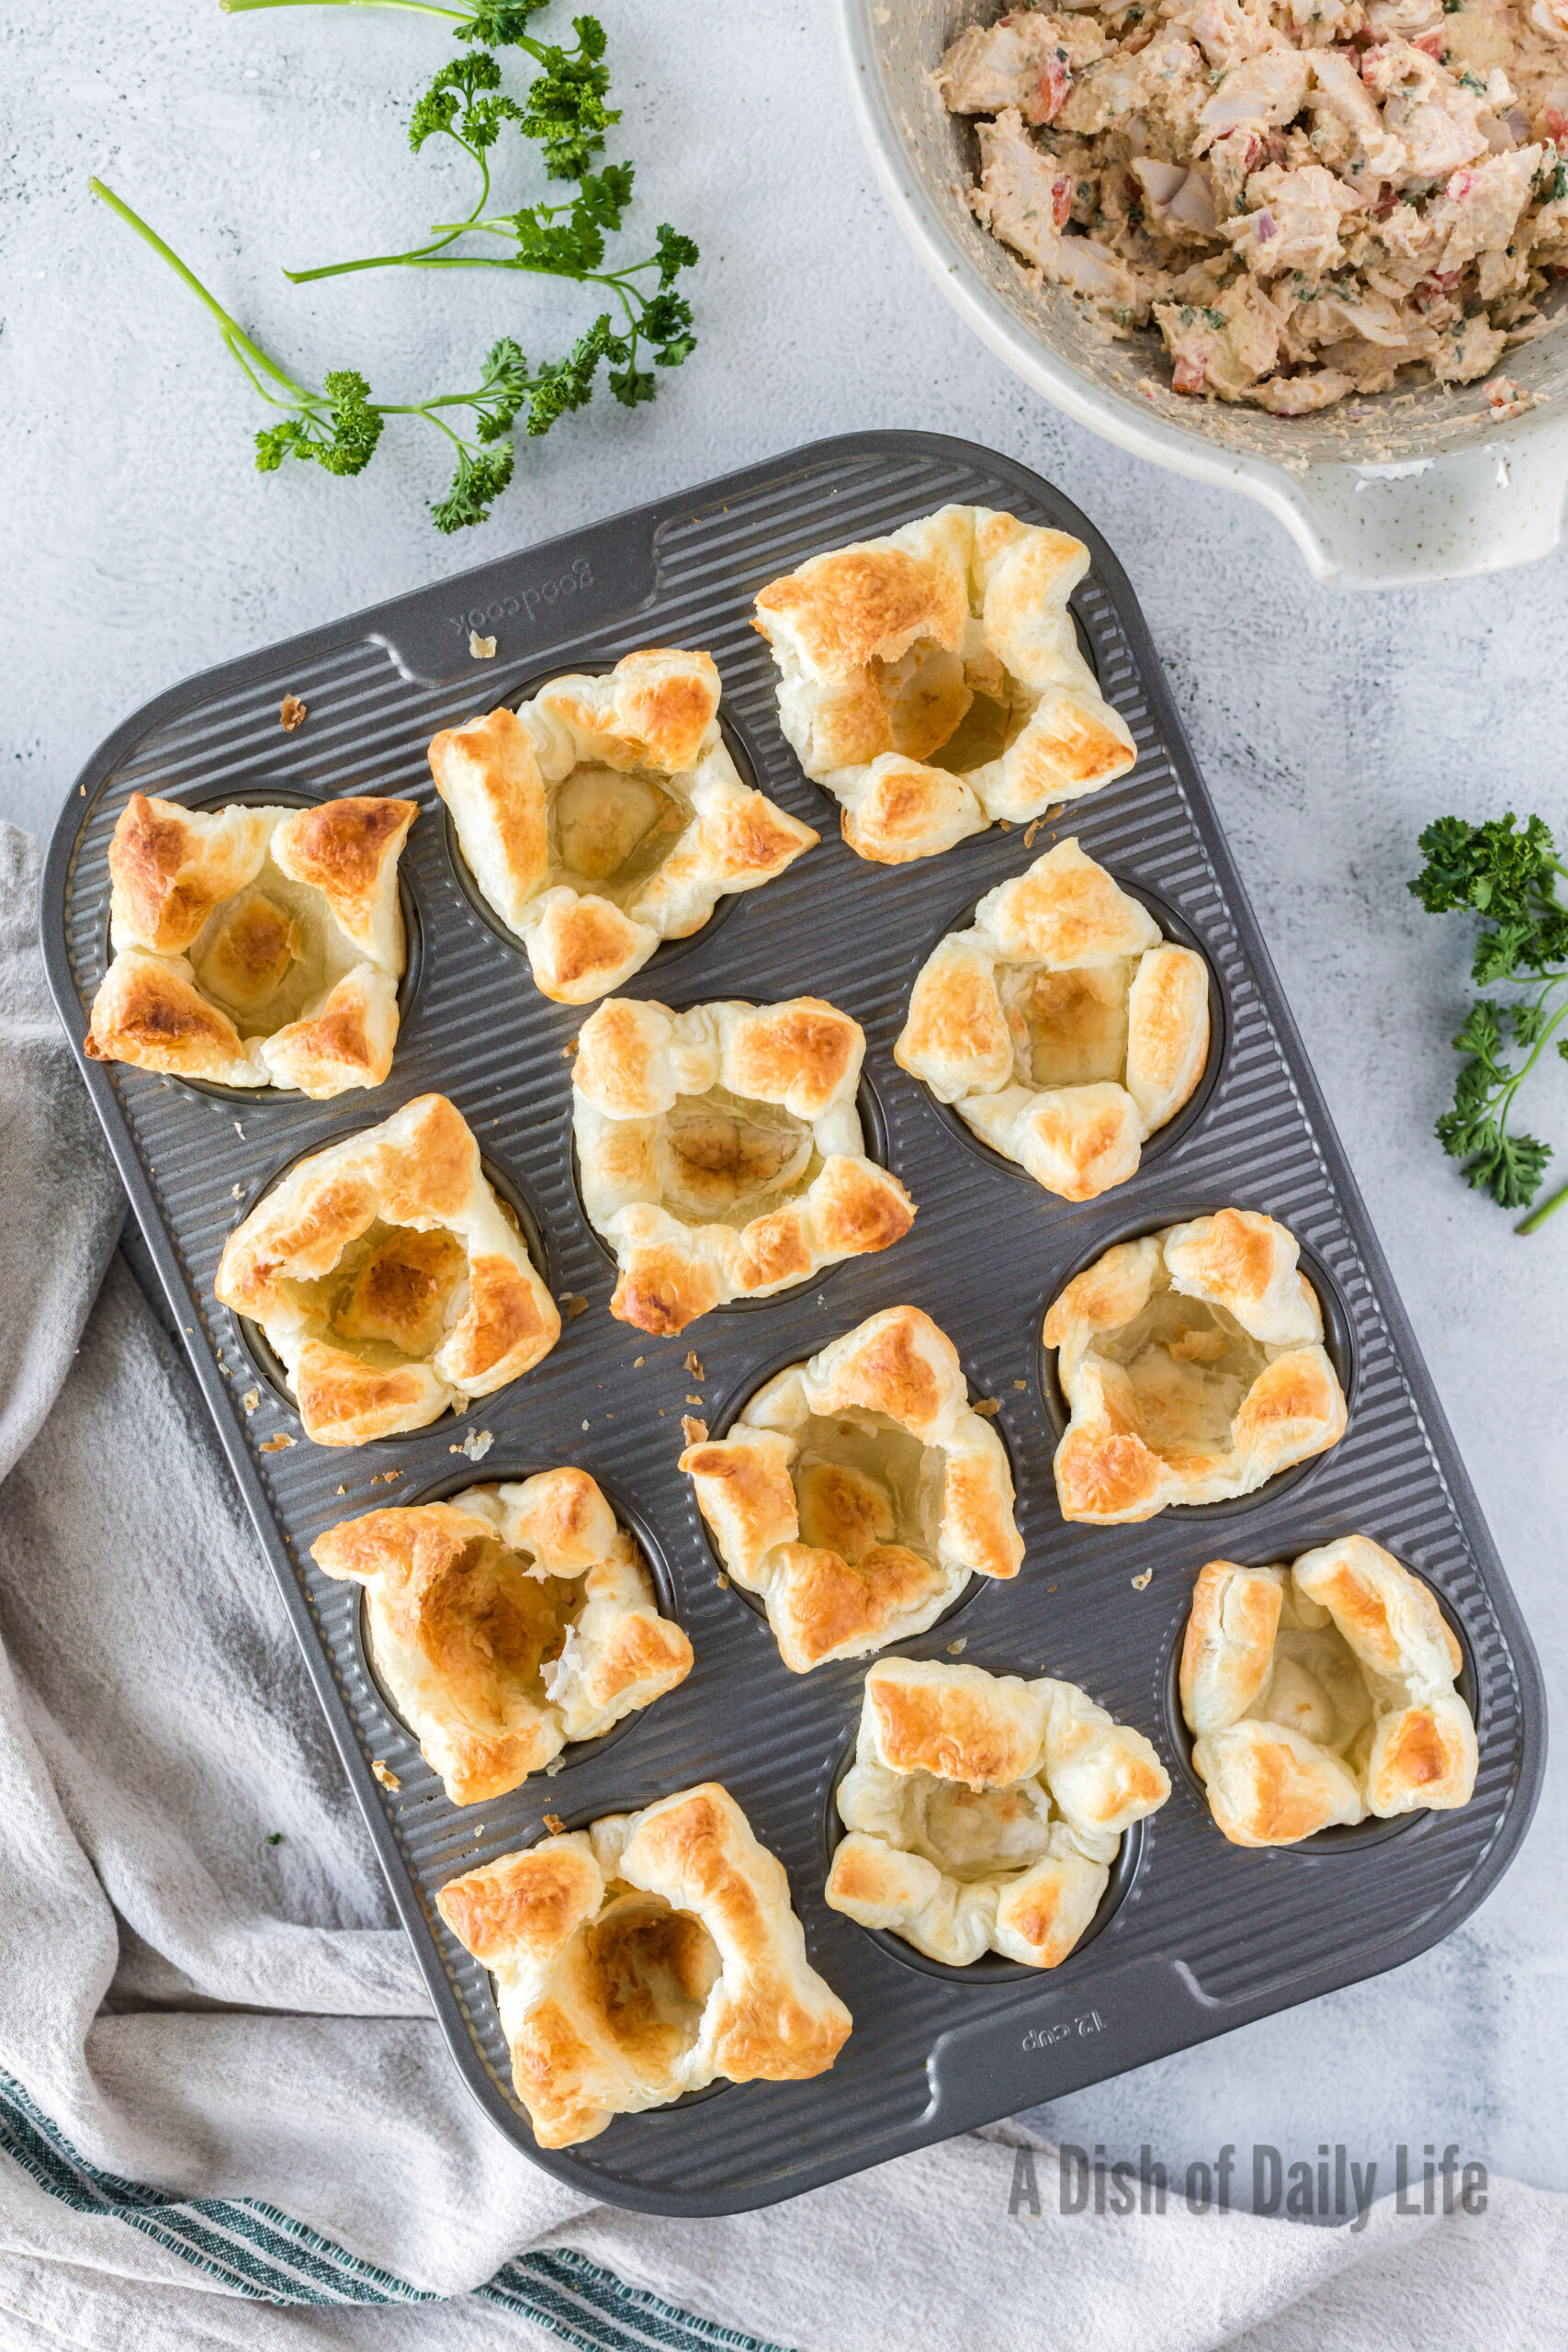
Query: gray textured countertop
[139, 544]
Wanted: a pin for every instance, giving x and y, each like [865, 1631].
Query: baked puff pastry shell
[858, 1493]
[389, 1279]
[720, 1153]
[605, 815]
[506, 1622]
[1061, 1026]
[255, 946]
[1322, 1693]
[1193, 1363]
[984, 1811]
[644, 1958]
[950, 637]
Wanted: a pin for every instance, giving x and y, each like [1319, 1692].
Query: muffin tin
[1200, 1936]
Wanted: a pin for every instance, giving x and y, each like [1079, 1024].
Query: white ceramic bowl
[1412, 485]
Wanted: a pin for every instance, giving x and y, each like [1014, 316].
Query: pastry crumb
[385, 1774]
[693, 1363]
[236, 1192]
[277, 1444]
[1028, 836]
[292, 714]
[251, 1399]
[693, 1400]
[481, 648]
[554, 1824]
[1020, 1384]
[638, 1363]
[340, 1491]
[575, 1305]
[1141, 1584]
[476, 1445]
[958, 1648]
[557, 1764]
[585, 1425]
[723, 1582]
[988, 1407]
[693, 1431]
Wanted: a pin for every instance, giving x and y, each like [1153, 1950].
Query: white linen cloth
[228, 2118]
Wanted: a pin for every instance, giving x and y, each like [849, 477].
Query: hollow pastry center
[955, 711]
[1068, 1028]
[976, 1833]
[862, 1483]
[1190, 1365]
[725, 1159]
[392, 1296]
[490, 1629]
[610, 831]
[266, 954]
[650, 1969]
[1317, 1686]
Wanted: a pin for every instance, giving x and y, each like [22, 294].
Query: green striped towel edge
[261, 2253]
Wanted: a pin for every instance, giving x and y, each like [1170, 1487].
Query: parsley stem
[421, 255]
[1517, 1078]
[418, 8]
[233, 334]
[413, 7]
[1537, 1217]
[433, 257]
[446, 233]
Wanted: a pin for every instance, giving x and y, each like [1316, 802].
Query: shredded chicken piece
[1309, 198]
[1024, 198]
[1293, 221]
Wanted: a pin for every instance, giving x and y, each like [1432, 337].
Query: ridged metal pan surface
[1204, 1935]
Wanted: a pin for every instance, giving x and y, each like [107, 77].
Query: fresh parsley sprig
[338, 427]
[465, 103]
[1506, 874]
[565, 110]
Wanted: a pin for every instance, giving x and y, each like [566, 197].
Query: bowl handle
[1388, 526]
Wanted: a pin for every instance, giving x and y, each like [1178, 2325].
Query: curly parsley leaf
[565, 110]
[1505, 874]
[505, 22]
[477, 484]
[462, 103]
[1508, 877]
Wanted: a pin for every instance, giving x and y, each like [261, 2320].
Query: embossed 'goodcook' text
[530, 604]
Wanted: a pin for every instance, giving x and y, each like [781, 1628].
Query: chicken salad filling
[1307, 198]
